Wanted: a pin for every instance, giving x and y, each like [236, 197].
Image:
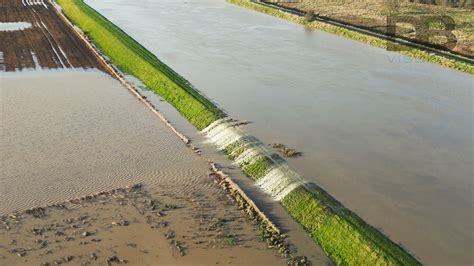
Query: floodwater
[13, 26]
[72, 133]
[65, 134]
[387, 135]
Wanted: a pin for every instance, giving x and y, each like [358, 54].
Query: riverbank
[343, 235]
[133, 59]
[349, 238]
[372, 15]
[356, 35]
[177, 212]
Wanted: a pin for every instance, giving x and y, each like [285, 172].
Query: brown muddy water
[389, 136]
[68, 134]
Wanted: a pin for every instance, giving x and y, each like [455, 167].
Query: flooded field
[388, 136]
[71, 140]
[135, 226]
[93, 135]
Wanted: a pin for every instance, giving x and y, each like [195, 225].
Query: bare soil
[49, 42]
[136, 225]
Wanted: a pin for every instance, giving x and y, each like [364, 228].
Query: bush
[310, 16]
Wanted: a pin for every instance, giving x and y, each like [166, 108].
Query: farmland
[373, 14]
[432, 55]
[47, 43]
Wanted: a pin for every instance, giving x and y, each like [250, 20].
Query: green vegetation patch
[345, 238]
[255, 169]
[236, 148]
[412, 52]
[258, 168]
[133, 59]
[287, 152]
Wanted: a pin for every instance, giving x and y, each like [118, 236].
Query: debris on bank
[287, 152]
[269, 232]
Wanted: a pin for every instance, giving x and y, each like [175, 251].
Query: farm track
[49, 43]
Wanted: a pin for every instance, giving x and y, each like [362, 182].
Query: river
[389, 136]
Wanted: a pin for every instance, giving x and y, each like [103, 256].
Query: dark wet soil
[48, 43]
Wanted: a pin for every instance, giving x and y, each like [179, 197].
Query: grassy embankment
[133, 59]
[373, 14]
[412, 52]
[344, 236]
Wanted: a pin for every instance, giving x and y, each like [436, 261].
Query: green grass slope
[344, 237]
[133, 59]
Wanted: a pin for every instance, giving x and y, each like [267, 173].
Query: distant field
[431, 54]
[374, 13]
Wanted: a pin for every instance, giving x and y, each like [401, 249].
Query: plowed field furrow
[48, 43]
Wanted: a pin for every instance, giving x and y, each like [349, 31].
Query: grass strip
[235, 149]
[345, 237]
[377, 42]
[258, 168]
[133, 59]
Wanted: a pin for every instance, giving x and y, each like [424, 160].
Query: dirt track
[48, 43]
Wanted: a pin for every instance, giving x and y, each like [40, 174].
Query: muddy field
[136, 225]
[46, 43]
